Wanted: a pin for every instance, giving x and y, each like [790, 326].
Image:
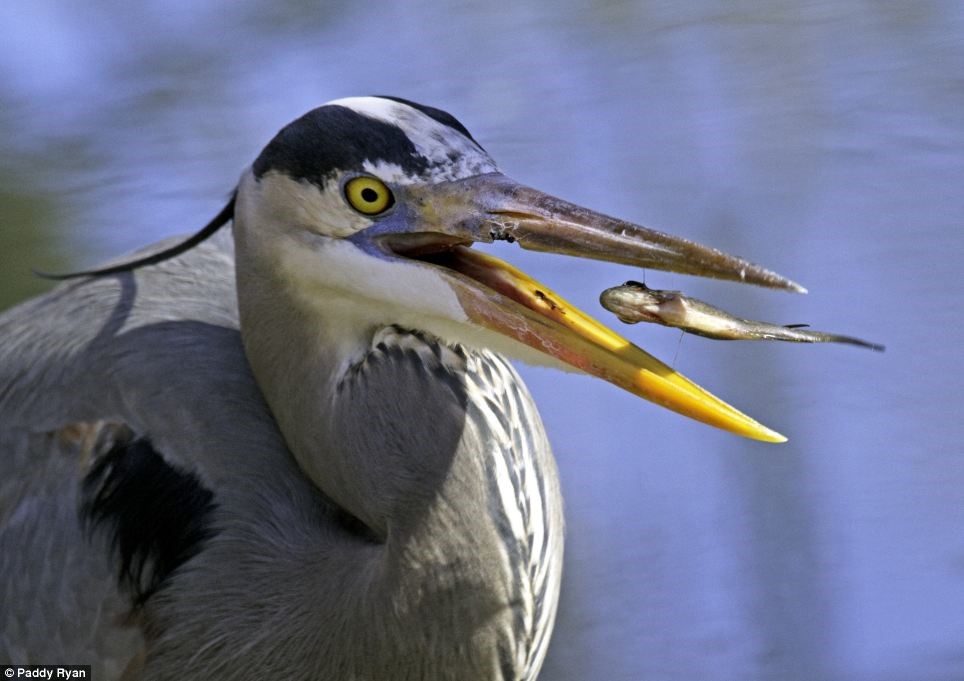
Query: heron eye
[368, 195]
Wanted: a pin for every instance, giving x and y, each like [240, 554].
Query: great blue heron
[298, 454]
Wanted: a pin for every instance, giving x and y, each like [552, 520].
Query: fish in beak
[634, 302]
[450, 216]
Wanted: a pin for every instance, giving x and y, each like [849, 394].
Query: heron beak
[497, 296]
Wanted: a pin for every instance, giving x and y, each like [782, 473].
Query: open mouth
[422, 246]
[457, 257]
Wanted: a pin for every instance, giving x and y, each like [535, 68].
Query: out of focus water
[823, 139]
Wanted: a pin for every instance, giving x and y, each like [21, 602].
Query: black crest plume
[219, 220]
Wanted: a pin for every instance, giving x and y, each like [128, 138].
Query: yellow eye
[368, 195]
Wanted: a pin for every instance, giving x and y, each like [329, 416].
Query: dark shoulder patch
[156, 516]
[443, 117]
[332, 138]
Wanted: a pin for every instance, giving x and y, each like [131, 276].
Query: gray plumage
[283, 584]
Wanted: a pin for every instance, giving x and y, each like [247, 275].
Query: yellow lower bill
[547, 322]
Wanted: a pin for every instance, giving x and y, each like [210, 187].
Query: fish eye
[368, 195]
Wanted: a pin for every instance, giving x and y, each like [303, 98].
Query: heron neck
[438, 450]
[373, 416]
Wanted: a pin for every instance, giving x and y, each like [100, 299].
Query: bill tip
[764, 434]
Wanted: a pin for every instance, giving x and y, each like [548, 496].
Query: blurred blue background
[822, 139]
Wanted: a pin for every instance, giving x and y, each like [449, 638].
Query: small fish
[635, 302]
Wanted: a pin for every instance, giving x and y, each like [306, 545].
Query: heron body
[301, 451]
[262, 591]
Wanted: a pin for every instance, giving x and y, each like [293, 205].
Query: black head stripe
[437, 115]
[332, 138]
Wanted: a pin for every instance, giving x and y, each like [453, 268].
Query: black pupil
[369, 195]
